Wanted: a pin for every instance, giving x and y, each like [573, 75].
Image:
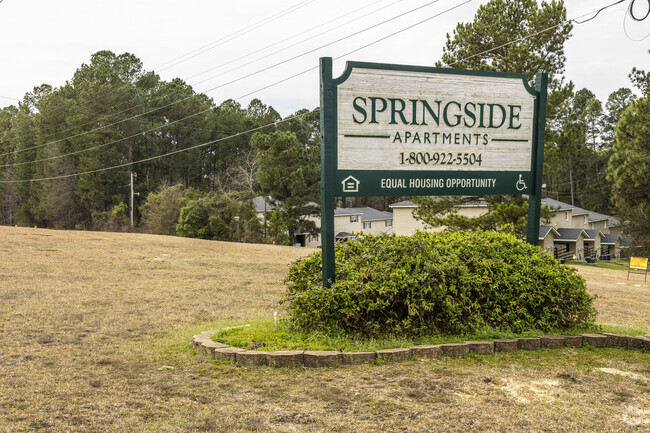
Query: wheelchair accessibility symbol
[520, 185]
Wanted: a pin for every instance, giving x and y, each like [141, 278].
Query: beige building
[610, 245]
[568, 216]
[570, 243]
[572, 230]
[348, 222]
[352, 221]
[405, 223]
[547, 235]
[593, 244]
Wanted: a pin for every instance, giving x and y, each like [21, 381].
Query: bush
[440, 283]
[114, 220]
[200, 219]
[210, 216]
[161, 210]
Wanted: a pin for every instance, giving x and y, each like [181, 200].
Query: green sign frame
[455, 177]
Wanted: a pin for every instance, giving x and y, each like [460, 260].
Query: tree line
[114, 112]
[595, 153]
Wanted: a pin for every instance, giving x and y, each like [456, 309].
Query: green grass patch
[265, 336]
[632, 331]
[614, 266]
[174, 347]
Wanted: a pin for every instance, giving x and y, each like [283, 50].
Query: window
[354, 218]
[389, 223]
[605, 223]
[584, 220]
[313, 238]
[367, 225]
[592, 226]
[566, 216]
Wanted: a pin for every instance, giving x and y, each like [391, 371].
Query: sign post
[398, 130]
[328, 167]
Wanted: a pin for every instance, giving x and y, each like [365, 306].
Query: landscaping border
[331, 358]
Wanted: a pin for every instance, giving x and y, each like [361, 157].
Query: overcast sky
[45, 41]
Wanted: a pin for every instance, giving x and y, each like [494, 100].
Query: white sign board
[409, 120]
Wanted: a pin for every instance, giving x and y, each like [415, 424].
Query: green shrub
[114, 220]
[211, 216]
[161, 210]
[200, 219]
[440, 283]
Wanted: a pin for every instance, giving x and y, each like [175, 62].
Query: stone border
[330, 358]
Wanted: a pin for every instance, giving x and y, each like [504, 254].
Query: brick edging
[330, 358]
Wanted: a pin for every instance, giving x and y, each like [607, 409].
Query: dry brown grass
[620, 302]
[87, 320]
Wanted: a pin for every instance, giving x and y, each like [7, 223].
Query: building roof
[570, 235]
[366, 213]
[554, 204]
[610, 239]
[545, 230]
[474, 203]
[261, 205]
[595, 216]
[591, 234]
[575, 211]
[405, 203]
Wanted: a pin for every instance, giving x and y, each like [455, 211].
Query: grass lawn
[615, 266]
[95, 331]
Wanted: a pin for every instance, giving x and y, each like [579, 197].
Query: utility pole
[131, 206]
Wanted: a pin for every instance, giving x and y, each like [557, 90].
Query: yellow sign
[639, 263]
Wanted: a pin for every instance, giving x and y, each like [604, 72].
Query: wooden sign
[405, 132]
[398, 130]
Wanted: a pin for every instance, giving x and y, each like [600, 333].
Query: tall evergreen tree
[289, 173]
[485, 44]
[628, 171]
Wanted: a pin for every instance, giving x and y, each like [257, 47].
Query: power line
[233, 36]
[400, 31]
[293, 37]
[243, 96]
[221, 41]
[229, 82]
[630, 12]
[541, 31]
[197, 146]
[271, 85]
[242, 57]
[597, 12]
